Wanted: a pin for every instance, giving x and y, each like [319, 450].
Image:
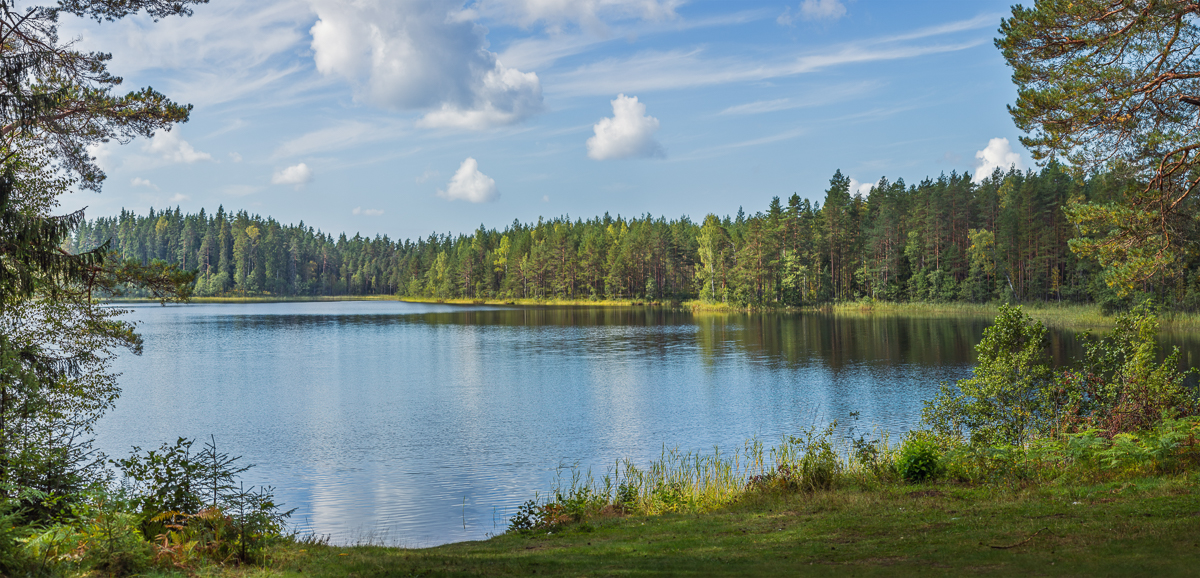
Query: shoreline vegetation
[1066, 315]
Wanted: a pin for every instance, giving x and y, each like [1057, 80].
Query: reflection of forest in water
[785, 339]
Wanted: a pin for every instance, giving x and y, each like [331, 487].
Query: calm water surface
[423, 424]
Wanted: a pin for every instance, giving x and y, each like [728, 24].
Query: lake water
[417, 424]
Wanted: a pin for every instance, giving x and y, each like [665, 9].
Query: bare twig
[1022, 541]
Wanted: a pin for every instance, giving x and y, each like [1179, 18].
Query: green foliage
[1008, 397]
[1121, 387]
[919, 460]
[1013, 397]
[191, 503]
[819, 465]
[1098, 81]
[528, 517]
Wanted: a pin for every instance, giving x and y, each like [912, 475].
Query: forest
[947, 239]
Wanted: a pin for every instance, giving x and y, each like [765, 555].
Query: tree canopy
[56, 340]
[1115, 85]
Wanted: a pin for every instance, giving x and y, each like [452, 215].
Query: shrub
[1121, 387]
[920, 459]
[818, 467]
[875, 458]
[1013, 396]
[1005, 400]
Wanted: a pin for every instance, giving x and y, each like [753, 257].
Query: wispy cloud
[678, 69]
[713, 151]
[337, 137]
[226, 51]
[538, 53]
[827, 95]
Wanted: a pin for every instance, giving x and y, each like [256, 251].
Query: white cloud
[997, 155]
[170, 147]
[590, 14]
[787, 18]
[179, 197]
[629, 133]
[298, 175]
[102, 154]
[428, 174]
[235, 157]
[422, 55]
[545, 198]
[863, 189]
[468, 184]
[140, 182]
[226, 51]
[367, 212]
[822, 9]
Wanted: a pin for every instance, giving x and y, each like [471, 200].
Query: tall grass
[695, 482]
[686, 481]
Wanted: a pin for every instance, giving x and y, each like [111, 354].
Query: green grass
[1070, 316]
[1148, 527]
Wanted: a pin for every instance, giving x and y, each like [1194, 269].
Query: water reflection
[423, 424]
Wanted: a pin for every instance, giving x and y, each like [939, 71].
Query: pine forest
[945, 239]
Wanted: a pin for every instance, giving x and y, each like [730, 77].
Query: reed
[687, 481]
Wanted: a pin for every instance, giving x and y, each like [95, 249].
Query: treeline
[944, 239]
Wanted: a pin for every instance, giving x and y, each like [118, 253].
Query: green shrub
[819, 466]
[1014, 397]
[920, 459]
[1006, 400]
[874, 458]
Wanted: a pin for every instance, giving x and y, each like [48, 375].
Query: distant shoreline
[1072, 316]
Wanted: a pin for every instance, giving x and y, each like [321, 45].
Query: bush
[1121, 387]
[819, 466]
[1005, 400]
[1014, 397]
[920, 459]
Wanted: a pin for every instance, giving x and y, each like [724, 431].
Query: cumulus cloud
[629, 133]
[298, 175]
[861, 188]
[998, 154]
[822, 9]
[179, 197]
[169, 146]
[140, 182]
[468, 184]
[235, 157]
[367, 212]
[422, 55]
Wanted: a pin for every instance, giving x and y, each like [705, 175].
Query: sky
[408, 117]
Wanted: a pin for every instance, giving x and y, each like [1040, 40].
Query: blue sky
[404, 117]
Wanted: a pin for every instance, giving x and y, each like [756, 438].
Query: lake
[420, 424]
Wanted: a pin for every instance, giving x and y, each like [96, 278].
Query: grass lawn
[1148, 527]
